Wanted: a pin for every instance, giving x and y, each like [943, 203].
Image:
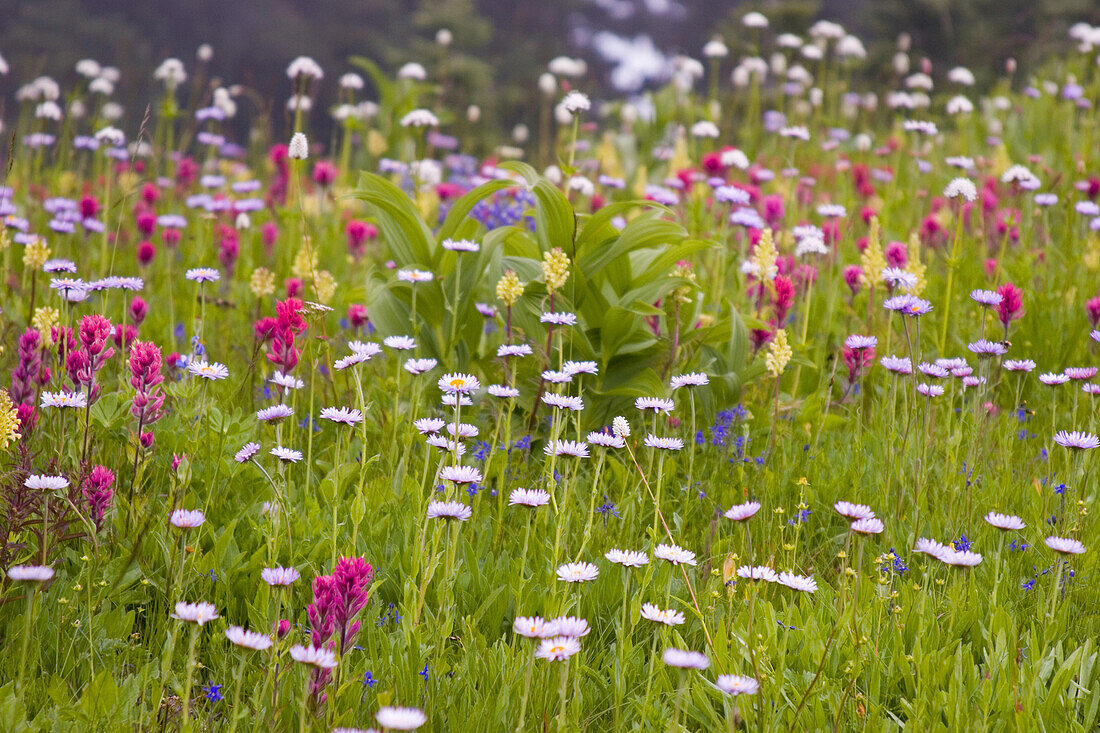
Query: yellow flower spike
[765, 256]
[873, 261]
[262, 282]
[509, 288]
[779, 354]
[36, 253]
[555, 269]
[325, 286]
[45, 320]
[9, 420]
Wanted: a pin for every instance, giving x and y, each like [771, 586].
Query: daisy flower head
[620, 427]
[313, 656]
[986, 298]
[1064, 545]
[208, 370]
[366, 349]
[419, 366]
[1019, 365]
[578, 572]
[463, 430]
[247, 639]
[555, 377]
[572, 448]
[741, 512]
[415, 276]
[936, 371]
[449, 400]
[853, 511]
[1077, 440]
[395, 718]
[652, 441]
[674, 554]
[897, 364]
[1053, 380]
[460, 245]
[528, 497]
[558, 649]
[627, 558]
[286, 381]
[429, 425]
[449, 510]
[64, 399]
[286, 455]
[896, 277]
[533, 627]
[605, 440]
[43, 482]
[198, 613]
[203, 275]
[868, 525]
[30, 573]
[400, 343]
[458, 383]
[932, 548]
[502, 391]
[960, 559]
[684, 659]
[461, 474]
[1080, 372]
[568, 626]
[342, 415]
[669, 617]
[563, 401]
[930, 390]
[908, 305]
[656, 404]
[758, 572]
[985, 348]
[559, 319]
[438, 441]
[186, 518]
[735, 684]
[275, 413]
[858, 342]
[247, 452]
[798, 582]
[514, 350]
[693, 379]
[279, 576]
[573, 368]
[1004, 521]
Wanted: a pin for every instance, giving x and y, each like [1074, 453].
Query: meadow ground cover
[769, 404]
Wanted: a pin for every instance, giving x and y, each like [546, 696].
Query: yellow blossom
[779, 353]
[325, 286]
[36, 253]
[873, 261]
[555, 268]
[509, 288]
[45, 319]
[765, 256]
[305, 262]
[262, 282]
[9, 420]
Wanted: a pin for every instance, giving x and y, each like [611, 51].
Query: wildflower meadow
[766, 400]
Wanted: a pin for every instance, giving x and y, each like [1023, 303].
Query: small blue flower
[368, 679]
[212, 692]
